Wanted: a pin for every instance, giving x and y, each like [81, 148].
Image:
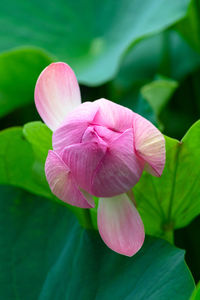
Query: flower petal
[113, 116]
[149, 145]
[62, 183]
[74, 126]
[56, 93]
[120, 168]
[120, 225]
[106, 134]
[82, 160]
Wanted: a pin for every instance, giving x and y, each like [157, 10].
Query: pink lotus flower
[99, 148]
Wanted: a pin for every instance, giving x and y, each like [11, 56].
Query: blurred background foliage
[144, 55]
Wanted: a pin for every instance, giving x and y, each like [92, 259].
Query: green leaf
[40, 137]
[89, 35]
[19, 70]
[22, 163]
[158, 93]
[173, 200]
[168, 55]
[22, 156]
[18, 165]
[189, 27]
[46, 255]
[196, 293]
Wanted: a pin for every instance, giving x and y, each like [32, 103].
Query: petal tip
[120, 225]
[149, 145]
[56, 93]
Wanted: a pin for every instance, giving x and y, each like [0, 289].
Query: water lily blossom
[99, 148]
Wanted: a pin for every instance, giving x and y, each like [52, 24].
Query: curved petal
[56, 93]
[149, 145]
[74, 126]
[113, 116]
[62, 183]
[106, 134]
[120, 225]
[82, 160]
[120, 168]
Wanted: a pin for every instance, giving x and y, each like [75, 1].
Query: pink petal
[56, 94]
[120, 168]
[82, 160]
[113, 116]
[120, 225]
[62, 183]
[149, 145]
[74, 126]
[106, 134]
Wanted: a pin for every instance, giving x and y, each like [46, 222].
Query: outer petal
[74, 126]
[120, 225]
[120, 168]
[149, 145]
[82, 160]
[113, 116]
[62, 183]
[56, 94]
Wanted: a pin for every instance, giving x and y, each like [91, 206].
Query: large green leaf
[173, 200]
[19, 70]
[18, 164]
[189, 27]
[90, 35]
[168, 54]
[46, 255]
[22, 162]
[196, 293]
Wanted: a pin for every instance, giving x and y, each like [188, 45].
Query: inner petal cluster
[100, 134]
[96, 142]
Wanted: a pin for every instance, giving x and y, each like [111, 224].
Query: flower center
[99, 134]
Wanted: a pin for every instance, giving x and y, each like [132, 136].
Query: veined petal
[74, 126]
[113, 116]
[82, 160]
[120, 225]
[120, 168]
[149, 145]
[56, 94]
[106, 134]
[62, 183]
